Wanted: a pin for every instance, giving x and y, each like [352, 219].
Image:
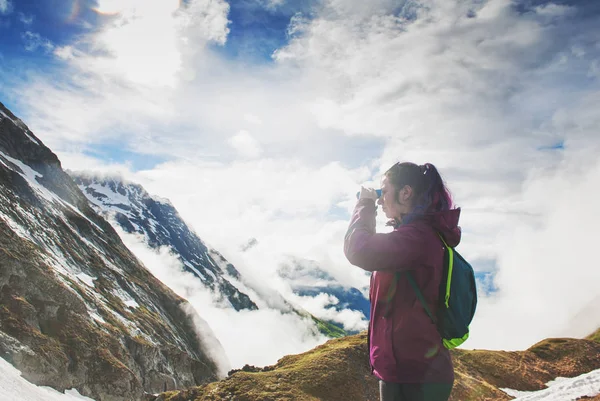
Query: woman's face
[392, 207]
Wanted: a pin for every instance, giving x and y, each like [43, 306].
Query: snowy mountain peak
[136, 211]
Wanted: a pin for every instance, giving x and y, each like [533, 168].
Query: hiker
[405, 348]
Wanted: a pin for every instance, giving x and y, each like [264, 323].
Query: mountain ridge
[77, 309]
[338, 370]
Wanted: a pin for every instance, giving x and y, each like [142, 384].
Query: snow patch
[21, 125]
[31, 177]
[210, 261]
[96, 317]
[198, 273]
[13, 387]
[126, 298]
[88, 280]
[562, 389]
[14, 345]
[16, 227]
[112, 198]
[212, 275]
[73, 208]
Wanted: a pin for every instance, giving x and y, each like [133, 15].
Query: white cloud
[547, 276]
[5, 7]
[268, 334]
[253, 119]
[323, 307]
[271, 4]
[142, 42]
[478, 88]
[282, 203]
[146, 42]
[64, 52]
[555, 10]
[33, 41]
[245, 144]
[27, 20]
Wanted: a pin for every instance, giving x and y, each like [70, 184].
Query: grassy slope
[338, 371]
[328, 329]
[594, 336]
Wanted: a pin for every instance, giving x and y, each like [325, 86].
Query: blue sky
[284, 108]
[52, 22]
[257, 31]
[33, 30]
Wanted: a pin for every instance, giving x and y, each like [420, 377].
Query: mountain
[338, 371]
[161, 225]
[77, 309]
[133, 209]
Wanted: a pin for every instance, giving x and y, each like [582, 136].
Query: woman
[405, 349]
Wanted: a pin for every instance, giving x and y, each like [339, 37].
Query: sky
[262, 118]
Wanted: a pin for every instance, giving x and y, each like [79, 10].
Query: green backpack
[457, 301]
[457, 298]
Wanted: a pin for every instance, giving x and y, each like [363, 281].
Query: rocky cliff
[77, 309]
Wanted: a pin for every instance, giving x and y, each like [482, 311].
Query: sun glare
[143, 43]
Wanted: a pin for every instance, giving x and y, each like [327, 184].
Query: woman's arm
[398, 250]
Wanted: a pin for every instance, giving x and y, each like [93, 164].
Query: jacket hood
[445, 223]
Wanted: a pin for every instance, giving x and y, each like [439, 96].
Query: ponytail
[437, 197]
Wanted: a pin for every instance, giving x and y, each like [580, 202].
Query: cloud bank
[501, 95]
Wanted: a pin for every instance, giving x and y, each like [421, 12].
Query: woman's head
[409, 190]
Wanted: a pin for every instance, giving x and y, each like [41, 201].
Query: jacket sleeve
[399, 250]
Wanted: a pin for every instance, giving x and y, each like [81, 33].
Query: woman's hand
[368, 193]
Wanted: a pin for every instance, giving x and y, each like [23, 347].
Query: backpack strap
[420, 296]
[390, 295]
[418, 292]
[413, 284]
[450, 268]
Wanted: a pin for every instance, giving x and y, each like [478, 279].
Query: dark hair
[430, 192]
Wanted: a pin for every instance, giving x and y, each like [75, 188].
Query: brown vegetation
[338, 371]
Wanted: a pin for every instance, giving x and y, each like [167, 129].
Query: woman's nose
[380, 200]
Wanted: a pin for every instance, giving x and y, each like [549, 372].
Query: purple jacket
[405, 346]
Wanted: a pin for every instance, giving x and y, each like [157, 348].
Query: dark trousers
[414, 392]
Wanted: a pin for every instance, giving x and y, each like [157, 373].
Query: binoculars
[378, 191]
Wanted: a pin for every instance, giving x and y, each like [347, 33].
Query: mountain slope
[338, 371]
[77, 309]
[130, 207]
[159, 222]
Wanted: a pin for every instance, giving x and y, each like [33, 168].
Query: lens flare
[75, 10]
[109, 7]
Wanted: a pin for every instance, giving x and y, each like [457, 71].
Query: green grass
[329, 329]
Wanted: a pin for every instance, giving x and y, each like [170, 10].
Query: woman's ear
[406, 193]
